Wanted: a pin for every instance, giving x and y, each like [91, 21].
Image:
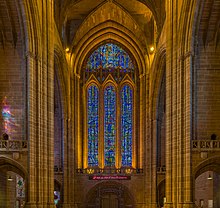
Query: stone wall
[208, 92]
[12, 72]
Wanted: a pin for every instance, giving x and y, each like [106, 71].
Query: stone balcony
[205, 145]
[204, 152]
[13, 145]
[110, 170]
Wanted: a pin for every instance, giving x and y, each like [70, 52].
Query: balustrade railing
[13, 145]
[126, 171]
[206, 145]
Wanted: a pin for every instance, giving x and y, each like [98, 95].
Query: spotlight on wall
[209, 177]
[152, 49]
[10, 178]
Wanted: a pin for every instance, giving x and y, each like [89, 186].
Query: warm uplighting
[67, 50]
[128, 170]
[90, 171]
[10, 178]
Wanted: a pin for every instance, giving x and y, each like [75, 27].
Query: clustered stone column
[179, 187]
[40, 104]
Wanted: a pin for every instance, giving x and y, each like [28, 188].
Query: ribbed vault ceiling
[82, 8]
[72, 13]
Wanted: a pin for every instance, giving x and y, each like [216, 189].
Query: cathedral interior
[110, 103]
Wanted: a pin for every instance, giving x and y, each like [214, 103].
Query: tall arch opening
[13, 178]
[109, 85]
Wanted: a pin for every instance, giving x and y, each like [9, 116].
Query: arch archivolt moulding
[115, 187]
[109, 11]
[114, 25]
[187, 26]
[108, 33]
[13, 165]
[209, 164]
[61, 70]
[156, 76]
[31, 27]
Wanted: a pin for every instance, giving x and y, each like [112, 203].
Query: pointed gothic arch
[95, 30]
[109, 71]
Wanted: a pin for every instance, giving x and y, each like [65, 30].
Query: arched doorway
[207, 190]
[207, 186]
[110, 200]
[109, 195]
[13, 184]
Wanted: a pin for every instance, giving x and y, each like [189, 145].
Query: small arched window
[109, 75]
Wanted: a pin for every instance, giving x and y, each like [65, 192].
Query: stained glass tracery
[126, 125]
[109, 56]
[109, 125]
[93, 124]
[109, 59]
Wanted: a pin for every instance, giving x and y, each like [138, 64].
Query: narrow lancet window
[93, 124]
[109, 125]
[126, 125]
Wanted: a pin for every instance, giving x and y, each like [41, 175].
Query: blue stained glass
[108, 57]
[109, 125]
[126, 125]
[93, 124]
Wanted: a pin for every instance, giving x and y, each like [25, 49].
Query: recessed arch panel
[12, 165]
[109, 58]
[108, 32]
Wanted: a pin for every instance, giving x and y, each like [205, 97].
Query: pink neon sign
[109, 177]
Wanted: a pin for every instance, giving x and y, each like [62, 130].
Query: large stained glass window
[109, 125]
[93, 124]
[110, 67]
[126, 125]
